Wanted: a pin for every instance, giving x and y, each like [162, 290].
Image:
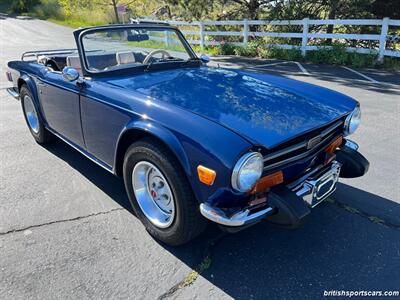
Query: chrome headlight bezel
[352, 121]
[242, 163]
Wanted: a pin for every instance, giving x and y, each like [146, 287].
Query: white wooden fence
[305, 35]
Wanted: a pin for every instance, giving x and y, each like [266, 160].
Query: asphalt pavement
[67, 231]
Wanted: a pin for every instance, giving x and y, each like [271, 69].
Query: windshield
[118, 48]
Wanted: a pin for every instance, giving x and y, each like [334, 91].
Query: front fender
[161, 133]
[193, 148]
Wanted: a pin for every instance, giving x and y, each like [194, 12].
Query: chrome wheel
[153, 194]
[31, 114]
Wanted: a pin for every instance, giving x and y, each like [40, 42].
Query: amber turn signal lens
[267, 182]
[206, 175]
[335, 144]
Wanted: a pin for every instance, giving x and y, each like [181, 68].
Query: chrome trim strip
[299, 156]
[331, 128]
[285, 151]
[13, 93]
[302, 144]
[240, 218]
[97, 162]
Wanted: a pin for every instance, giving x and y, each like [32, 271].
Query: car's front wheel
[160, 193]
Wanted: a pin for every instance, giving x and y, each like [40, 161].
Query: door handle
[41, 84]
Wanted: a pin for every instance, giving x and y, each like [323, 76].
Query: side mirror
[204, 58]
[70, 74]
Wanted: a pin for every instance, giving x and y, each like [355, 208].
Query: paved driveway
[66, 229]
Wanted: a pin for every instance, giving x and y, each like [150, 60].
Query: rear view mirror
[138, 37]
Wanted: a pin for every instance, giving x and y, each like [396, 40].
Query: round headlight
[247, 171]
[352, 121]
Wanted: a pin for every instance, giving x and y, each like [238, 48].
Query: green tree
[192, 9]
[22, 6]
[386, 8]
[70, 6]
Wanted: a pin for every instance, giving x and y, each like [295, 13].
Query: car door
[60, 102]
[102, 121]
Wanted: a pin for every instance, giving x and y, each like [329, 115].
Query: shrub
[338, 55]
[23, 6]
[240, 51]
[294, 54]
[279, 53]
[227, 49]
[252, 49]
[211, 50]
[335, 55]
[48, 9]
[361, 60]
[391, 63]
[55, 11]
[322, 55]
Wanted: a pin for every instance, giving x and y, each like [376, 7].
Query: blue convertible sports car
[192, 143]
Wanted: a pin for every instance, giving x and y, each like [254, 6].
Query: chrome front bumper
[313, 188]
[13, 93]
[240, 218]
[318, 187]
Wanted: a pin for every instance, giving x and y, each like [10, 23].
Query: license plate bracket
[316, 189]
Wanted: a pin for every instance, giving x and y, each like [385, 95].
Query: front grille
[303, 147]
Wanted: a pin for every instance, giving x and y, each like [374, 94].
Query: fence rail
[305, 35]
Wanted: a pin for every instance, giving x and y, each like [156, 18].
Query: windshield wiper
[186, 62]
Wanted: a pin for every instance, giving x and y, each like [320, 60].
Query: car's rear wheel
[33, 118]
[160, 193]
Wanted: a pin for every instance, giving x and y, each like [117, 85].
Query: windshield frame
[79, 34]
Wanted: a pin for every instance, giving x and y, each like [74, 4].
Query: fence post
[201, 27]
[245, 31]
[304, 39]
[382, 39]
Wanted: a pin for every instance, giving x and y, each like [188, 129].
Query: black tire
[42, 136]
[188, 222]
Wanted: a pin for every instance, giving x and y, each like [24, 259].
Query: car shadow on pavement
[337, 249]
[107, 182]
[369, 204]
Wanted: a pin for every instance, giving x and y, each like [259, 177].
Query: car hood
[264, 109]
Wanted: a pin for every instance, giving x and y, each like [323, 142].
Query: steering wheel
[152, 53]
